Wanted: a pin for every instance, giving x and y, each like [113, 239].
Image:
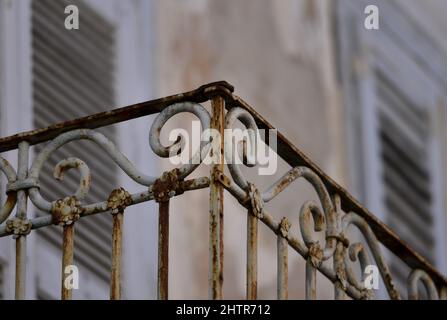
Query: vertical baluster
[215, 277]
[339, 267]
[163, 250]
[252, 256]
[117, 240]
[21, 214]
[282, 261]
[311, 281]
[66, 212]
[67, 259]
[20, 268]
[118, 200]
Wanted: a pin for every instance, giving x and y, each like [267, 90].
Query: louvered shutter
[73, 76]
[404, 140]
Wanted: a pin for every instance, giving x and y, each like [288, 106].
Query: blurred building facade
[367, 105]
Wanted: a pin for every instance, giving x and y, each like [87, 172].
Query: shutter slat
[74, 82]
[92, 46]
[67, 95]
[72, 67]
[419, 204]
[409, 169]
[403, 211]
[91, 65]
[416, 119]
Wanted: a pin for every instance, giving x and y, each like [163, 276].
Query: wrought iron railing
[336, 212]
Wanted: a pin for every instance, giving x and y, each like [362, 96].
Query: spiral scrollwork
[252, 132]
[412, 284]
[85, 180]
[309, 211]
[177, 147]
[373, 244]
[81, 134]
[358, 252]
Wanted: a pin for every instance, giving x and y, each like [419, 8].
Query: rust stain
[163, 250]
[115, 278]
[66, 211]
[167, 186]
[67, 258]
[118, 200]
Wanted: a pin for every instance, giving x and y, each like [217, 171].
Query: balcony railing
[336, 212]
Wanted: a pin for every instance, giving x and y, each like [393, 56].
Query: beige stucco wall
[277, 55]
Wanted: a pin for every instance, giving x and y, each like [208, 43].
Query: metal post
[22, 172]
[311, 281]
[282, 285]
[117, 202]
[20, 267]
[339, 285]
[283, 260]
[252, 256]
[67, 259]
[117, 239]
[163, 249]
[215, 277]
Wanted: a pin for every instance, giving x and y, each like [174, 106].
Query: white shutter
[73, 76]
[405, 153]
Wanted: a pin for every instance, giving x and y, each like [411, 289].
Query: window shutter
[73, 76]
[404, 139]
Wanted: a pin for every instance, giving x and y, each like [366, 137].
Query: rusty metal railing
[337, 210]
